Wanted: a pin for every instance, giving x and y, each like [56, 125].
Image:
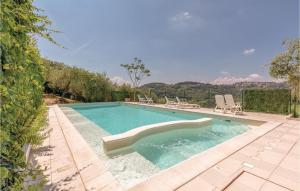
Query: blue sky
[219, 41]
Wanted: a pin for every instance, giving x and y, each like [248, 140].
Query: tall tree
[136, 72]
[286, 66]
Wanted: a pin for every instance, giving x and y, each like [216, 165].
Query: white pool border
[128, 138]
[175, 176]
[91, 169]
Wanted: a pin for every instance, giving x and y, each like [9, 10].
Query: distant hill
[239, 85]
[203, 93]
[261, 85]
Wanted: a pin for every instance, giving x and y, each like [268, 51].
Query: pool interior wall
[153, 153]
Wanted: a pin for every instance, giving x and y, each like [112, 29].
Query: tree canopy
[286, 65]
[136, 71]
[79, 84]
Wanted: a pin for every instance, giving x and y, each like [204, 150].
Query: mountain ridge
[203, 93]
[270, 84]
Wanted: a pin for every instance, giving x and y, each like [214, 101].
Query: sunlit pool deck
[267, 157]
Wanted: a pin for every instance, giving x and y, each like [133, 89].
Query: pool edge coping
[84, 157]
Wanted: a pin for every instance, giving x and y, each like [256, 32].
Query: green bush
[267, 100]
[76, 83]
[21, 76]
[119, 95]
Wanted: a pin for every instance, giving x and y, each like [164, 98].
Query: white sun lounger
[220, 104]
[168, 102]
[141, 100]
[234, 108]
[148, 99]
[182, 104]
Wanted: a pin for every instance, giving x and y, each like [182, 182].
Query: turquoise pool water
[167, 148]
[117, 119]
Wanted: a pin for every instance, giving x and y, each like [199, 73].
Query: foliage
[136, 71]
[80, 84]
[296, 109]
[270, 101]
[119, 95]
[122, 92]
[201, 93]
[22, 111]
[286, 66]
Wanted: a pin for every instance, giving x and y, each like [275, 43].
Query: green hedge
[267, 100]
[22, 112]
[119, 95]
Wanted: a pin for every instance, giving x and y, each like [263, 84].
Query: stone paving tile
[198, 184]
[154, 185]
[63, 169]
[268, 186]
[228, 167]
[251, 182]
[288, 171]
[246, 181]
[214, 177]
[286, 178]
[238, 187]
[271, 157]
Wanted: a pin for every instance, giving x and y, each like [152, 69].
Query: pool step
[130, 169]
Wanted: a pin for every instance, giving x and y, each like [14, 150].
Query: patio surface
[270, 162]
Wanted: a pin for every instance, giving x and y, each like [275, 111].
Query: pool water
[117, 119]
[167, 148]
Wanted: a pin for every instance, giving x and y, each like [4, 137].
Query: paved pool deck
[264, 160]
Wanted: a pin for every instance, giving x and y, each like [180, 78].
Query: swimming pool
[163, 149]
[158, 150]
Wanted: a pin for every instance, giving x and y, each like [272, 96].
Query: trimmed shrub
[267, 100]
[120, 95]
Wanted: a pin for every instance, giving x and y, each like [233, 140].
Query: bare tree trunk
[134, 94]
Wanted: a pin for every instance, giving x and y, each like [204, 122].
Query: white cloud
[78, 49]
[228, 79]
[224, 73]
[185, 20]
[254, 76]
[119, 80]
[249, 51]
[181, 17]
